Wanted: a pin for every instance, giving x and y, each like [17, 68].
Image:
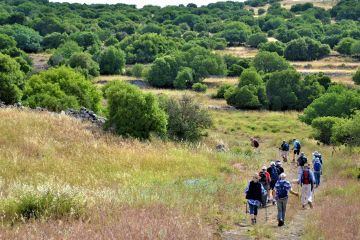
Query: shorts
[272, 184]
[284, 153]
[297, 151]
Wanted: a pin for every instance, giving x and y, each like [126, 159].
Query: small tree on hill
[270, 62]
[356, 77]
[111, 61]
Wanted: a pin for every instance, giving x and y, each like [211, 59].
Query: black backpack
[274, 173]
[302, 161]
[281, 190]
[262, 177]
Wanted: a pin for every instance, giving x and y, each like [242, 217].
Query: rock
[220, 148]
[86, 115]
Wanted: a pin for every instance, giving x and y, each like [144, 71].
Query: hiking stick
[266, 214]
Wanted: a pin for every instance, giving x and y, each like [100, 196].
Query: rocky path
[293, 229]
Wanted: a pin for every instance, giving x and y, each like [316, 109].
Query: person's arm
[247, 188]
[263, 191]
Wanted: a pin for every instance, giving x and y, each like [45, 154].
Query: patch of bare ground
[243, 52]
[326, 4]
[40, 61]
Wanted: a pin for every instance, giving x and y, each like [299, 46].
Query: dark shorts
[297, 151]
[272, 184]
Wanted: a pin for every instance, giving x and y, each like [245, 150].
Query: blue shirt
[252, 201]
[286, 184]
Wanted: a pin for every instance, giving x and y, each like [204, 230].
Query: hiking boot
[303, 207]
[274, 202]
[253, 221]
[310, 204]
[281, 223]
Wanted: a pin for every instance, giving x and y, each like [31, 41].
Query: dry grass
[327, 4]
[40, 60]
[242, 52]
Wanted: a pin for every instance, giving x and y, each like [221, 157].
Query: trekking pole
[266, 213]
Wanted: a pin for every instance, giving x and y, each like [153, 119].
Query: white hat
[272, 163]
[263, 168]
[283, 175]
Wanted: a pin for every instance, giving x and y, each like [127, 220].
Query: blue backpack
[317, 165]
[297, 145]
[274, 173]
[286, 147]
[281, 190]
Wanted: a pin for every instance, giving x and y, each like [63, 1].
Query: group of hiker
[270, 184]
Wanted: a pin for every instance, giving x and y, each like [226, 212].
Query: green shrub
[305, 49]
[344, 46]
[6, 42]
[133, 113]
[184, 78]
[26, 38]
[163, 72]
[11, 80]
[261, 11]
[347, 131]
[186, 119]
[270, 62]
[60, 88]
[245, 97]
[323, 127]
[256, 39]
[85, 63]
[54, 40]
[137, 70]
[221, 90]
[356, 77]
[111, 61]
[250, 77]
[277, 47]
[64, 52]
[199, 87]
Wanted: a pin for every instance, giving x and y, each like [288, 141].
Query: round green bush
[199, 87]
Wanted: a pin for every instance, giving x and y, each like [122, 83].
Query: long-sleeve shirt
[311, 177]
[286, 184]
[252, 201]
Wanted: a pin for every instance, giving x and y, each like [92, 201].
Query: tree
[222, 90]
[336, 102]
[86, 39]
[186, 119]
[347, 131]
[256, 39]
[11, 80]
[64, 52]
[243, 98]
[277, 47]
[305, 49]
[199, 87]
[85, 63]
[282, 89]
[184, 78]
[48, 24]
[163, 71]
[356, 77]
[321, 78]
[236, 33]
[323, 127]
[111, 61]
[54, 40]
[133, 113]
[250, 77]
[137, 70]
[26, 38]
[344, 46]
[270, 62]
[6, 42]
[59, 89]
[355, 49]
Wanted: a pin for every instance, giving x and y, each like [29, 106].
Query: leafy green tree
[11, 80]
[310, 89]
[355, 49]
[60, 88]
[86, 39]
[250, 77]
[184, 78]
[133, 113]
[85, 63]
[111, 61]
[163, 71]
[277, 47]
[64, 52]
[221, 90]
[305, 49]
[236, 33]
[137, 70]
[346, 9]
[344, 46]
[186, 119]
[6, 42]
[243, 98]
[26, 38]
[256, 39]
[48, 24]
[270, 62]
[54, 40]
[336, 102]
[356, 77]
[323, 128]
[282, 89]
[347, 131]
[152, 28]
[321, 78]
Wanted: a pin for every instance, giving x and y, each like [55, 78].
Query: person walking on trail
[296, 148]
[254, 192]
[301, 161]
[264, 179]
[307, 186]
[282, 188]
[284, 148]
[317, 167]
[279, 167]
[274, 175]
[316, 154]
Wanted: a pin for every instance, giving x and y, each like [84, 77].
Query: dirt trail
[293, 229]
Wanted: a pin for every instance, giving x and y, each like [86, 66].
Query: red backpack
[306, 177]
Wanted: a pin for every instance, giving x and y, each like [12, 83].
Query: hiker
[274, 175]
[254, 142]
[282, 188]
[316, 154]
[279, 167]
[306, 181]
[284, 148]
[296, 148]
[317, 167]
[301, 161]
[264, 179]
[254, 192]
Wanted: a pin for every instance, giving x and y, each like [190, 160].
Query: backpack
[317, 165]
[319, 157]
[274, 173]
[262, 177]
[306, 177]
[302, 161]
[285, 147]
[255, 143]
[297, 145]
[281, 190]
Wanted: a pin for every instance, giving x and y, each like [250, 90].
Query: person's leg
[303, 195]
[252, 211]
[279, 208]
[284, 203]
[255, 212]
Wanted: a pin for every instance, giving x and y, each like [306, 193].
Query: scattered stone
[140, 83]
[86, 115]
[213, 107]
[220, 148]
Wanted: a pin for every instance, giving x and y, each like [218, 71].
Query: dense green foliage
[26, 38]
[356, 77]
[323, 127]
[84, 63]
[186, 119]
[268, 62]
[305, 49]
[199, 87]
[133, 113]
[60, 88]
[11, 80]
[111, 61]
